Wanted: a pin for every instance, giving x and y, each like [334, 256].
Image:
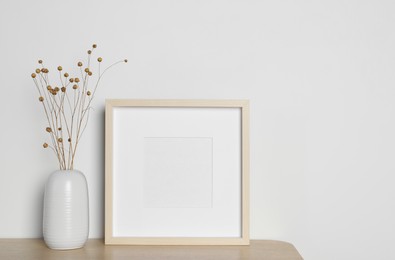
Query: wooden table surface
[28, 249]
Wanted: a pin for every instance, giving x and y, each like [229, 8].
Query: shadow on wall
[40, 211]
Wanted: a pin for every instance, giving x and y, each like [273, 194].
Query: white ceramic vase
[66, 210]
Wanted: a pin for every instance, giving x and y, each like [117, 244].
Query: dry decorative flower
[67, 112]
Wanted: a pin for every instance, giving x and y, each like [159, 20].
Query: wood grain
[35, 249]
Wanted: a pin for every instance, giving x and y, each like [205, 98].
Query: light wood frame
[243, 105]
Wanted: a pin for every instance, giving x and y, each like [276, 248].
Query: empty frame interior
[176, 172]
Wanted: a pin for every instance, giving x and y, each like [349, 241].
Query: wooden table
[28, 249]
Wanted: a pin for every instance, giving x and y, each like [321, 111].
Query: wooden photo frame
[177, 172]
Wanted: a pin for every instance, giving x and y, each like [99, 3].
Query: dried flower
[66, 113]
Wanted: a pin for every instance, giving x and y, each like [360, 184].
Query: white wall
[320, 76]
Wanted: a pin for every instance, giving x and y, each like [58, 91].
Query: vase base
[65, 248]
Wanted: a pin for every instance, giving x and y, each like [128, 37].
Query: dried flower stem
[67, 115]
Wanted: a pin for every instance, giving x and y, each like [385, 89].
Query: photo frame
[177, 172]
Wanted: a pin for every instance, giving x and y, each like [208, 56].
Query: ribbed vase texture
[66, 210]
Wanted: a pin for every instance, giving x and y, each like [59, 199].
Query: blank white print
[178, 172]
[131, 215]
